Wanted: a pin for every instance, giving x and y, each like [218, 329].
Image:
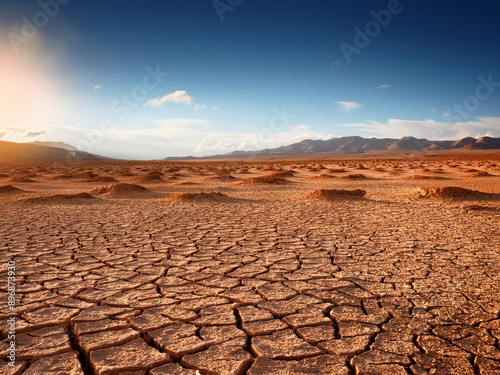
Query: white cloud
[215, 108]
[430, 129]
[97, 87]
[433, 109]
[347, 106]
[179, 96]
[384, 86]
[19, 135]
[199, 107]
[447, 114]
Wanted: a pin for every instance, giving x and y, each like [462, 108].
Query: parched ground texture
[264, 281]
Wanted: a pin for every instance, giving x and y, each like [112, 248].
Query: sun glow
[28, 94]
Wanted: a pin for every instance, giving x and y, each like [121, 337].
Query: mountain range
[359, 145]
[62, 152]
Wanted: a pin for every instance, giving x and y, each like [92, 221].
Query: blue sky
[251, 75]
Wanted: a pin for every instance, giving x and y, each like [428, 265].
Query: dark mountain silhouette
[11, 152]
[62, 145]
[463, 142]
[486, 143]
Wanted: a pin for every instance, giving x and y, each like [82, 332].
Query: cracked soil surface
[259, 279]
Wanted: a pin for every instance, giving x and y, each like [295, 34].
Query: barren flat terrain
[299, 267]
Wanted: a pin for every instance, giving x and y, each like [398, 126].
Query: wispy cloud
[215, 108]
[433, 109]
[347, 106]
[97, 87]
[385, 86]
[179, 96]
[19, 135]
[199, 107]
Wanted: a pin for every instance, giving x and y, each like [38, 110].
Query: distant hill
[11, 152]
[62, 145]
[358, 145]
[463, 142]
[486, 143]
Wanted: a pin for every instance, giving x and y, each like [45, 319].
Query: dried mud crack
[271, 285]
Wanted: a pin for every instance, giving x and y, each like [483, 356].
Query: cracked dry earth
[268, 284]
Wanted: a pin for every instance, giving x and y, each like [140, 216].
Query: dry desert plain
[264, 267]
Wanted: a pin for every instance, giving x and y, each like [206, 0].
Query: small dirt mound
[187, 183]
[98, 179]
[322, 176]
[171, 178]
[82, 175]
[20, 179]
[479, 174]
[453, 192]
[355, 176]
[125, 173]
[477, 207]
[336, 170]
[282, 174]
[422, 177]
[147, 178]
[267, 179]
[121, 190]
[171, 170]
[59, 177]
[202, 197]
[61, 198]
[334, 194]
[221, 177]
[9, 189]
